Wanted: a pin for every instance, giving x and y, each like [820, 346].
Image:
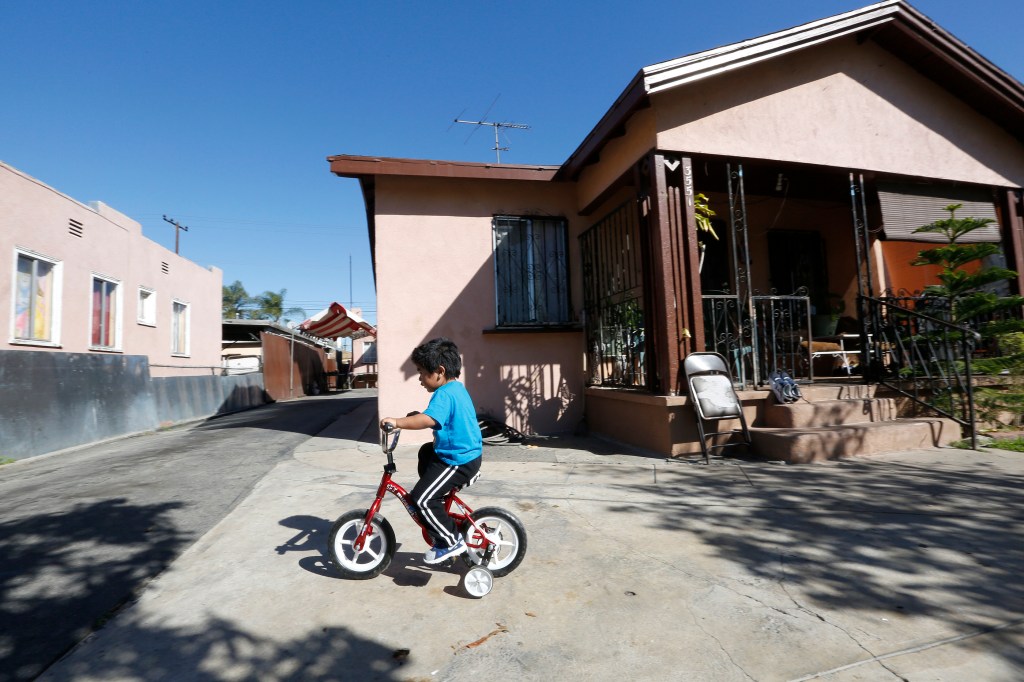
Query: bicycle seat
[467, 483]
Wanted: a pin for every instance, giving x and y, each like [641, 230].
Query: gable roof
[893, 25]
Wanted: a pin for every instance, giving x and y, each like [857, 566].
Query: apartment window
[105, 307]
[179, 328]
[369, 356]
[36, 299]
[530, 271]
[147, 306]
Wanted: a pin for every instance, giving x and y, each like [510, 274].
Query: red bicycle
[362, 542]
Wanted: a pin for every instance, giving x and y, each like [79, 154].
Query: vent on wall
[166, 268]
[75, 228]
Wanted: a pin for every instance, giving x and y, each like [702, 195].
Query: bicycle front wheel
[377, 552]
[505, 531]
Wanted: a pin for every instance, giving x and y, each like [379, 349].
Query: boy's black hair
[439, 352]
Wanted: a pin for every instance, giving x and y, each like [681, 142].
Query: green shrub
[1014, 444]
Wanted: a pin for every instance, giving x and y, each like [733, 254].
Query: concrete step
[817, 444]
[832, 412]
[837, 391]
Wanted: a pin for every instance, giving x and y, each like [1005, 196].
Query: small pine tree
[967, 300]
[962, 290]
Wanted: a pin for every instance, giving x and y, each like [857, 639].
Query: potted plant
[703, 213]
[824, 324]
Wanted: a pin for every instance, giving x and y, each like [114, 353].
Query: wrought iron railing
[784, 336]
[726, 334]
[769, 333]
[922, 356]
[613, 296]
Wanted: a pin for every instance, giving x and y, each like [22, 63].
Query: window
[369, 356]
[530, 271]
[179, 328]
[105, 307]
[36, 299]
[147, 306]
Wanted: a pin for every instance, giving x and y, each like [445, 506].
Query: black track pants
[436, 479]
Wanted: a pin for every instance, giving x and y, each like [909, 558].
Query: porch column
[1013, 232]
[691, 266]
[676, 317]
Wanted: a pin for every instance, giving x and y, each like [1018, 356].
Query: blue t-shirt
[457, 438]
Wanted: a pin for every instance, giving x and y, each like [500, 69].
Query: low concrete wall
[181, 399]
[51, 401]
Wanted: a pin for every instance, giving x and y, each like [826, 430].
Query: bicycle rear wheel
[505, 530]
[377, 552]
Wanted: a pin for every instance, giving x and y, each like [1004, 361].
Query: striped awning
[335, 322]
[908, 206]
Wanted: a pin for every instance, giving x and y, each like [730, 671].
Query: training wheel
[477, 581]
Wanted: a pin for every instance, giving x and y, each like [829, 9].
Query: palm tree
[270, 306]
[235, 301]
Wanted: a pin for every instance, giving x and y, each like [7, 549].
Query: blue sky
[221, 114]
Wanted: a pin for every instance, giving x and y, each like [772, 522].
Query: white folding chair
[714, 399]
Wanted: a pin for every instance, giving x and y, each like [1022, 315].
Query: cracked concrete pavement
[903, 566]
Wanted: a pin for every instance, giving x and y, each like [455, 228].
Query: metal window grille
[613, 295]
[530, 271]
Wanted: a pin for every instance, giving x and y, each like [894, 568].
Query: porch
[837, 419]
[770, 290]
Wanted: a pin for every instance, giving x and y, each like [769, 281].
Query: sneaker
[778, 387]
[436, 555]
[791, 388]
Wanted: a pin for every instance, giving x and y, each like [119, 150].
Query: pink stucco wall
[841, 104]
[435, 277]
[36, 219]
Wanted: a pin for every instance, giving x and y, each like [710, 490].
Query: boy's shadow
[406, 569]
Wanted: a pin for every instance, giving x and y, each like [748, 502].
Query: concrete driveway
[898, 567]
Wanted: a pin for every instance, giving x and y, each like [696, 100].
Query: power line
[250, 224]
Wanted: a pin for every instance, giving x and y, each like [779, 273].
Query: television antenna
[498, 149]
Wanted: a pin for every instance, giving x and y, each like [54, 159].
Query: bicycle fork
[367, 529]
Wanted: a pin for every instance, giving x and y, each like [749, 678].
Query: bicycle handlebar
[389, 447]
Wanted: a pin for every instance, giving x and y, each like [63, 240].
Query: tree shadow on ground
[944, 541]
[221, 650]
[63, 572]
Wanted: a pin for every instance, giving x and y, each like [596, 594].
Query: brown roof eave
[612, 124]
[349, 166]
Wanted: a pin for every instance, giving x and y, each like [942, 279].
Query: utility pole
[177, 230]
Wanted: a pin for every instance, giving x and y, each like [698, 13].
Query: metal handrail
[924, 358]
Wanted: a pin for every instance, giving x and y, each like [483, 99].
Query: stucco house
[84, 279]
[575, 290]
[107, 332]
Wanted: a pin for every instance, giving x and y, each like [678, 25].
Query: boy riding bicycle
[454, 457]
